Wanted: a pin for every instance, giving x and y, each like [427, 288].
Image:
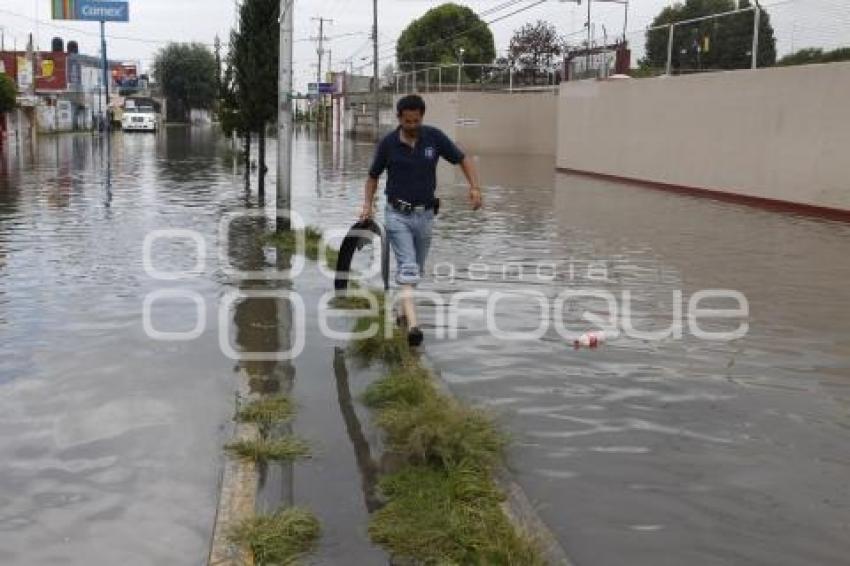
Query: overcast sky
[798, 23]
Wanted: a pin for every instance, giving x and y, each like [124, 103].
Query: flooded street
[651, 452]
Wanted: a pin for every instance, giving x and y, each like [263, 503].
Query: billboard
[91, 10]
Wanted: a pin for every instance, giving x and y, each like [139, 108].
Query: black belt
[408, 207]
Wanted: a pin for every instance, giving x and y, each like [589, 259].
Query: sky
[153, 23]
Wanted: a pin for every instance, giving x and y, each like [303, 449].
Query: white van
[139, 118]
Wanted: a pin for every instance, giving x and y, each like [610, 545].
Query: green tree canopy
[717, 43]
[255, 60]
[8, 92]
[187, 75]
[534, 46]
[440, 33]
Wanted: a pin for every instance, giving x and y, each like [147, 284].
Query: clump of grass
[449, 515]
[349, 302]
[267, 412]
[281, 538]
[392, 350]
[408, 384]
[263, 449]
[439, 431]
[287, 242]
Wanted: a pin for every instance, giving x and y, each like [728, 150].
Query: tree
[8, 93]
[187, 74]
[717, 43]
[535, 45]
[255, 62]
[437, 37]
[815, 55]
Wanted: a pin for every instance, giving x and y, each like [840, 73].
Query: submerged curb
[237, 499]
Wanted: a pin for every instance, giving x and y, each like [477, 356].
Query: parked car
[139, 118]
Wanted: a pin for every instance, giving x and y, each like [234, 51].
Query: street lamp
[459, 67]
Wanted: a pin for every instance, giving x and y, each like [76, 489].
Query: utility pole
[376, 87]
[321, 53]
[587, 58]
[284, 117]
[217, 44]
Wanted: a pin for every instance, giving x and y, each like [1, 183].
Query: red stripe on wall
[717, 194]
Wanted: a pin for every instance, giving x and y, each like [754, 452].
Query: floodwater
[676, 450]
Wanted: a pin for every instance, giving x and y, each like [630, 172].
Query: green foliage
[266, 412]
[187, 73]
[718, 43]
[230, 115]
[815, 55]
[405, 385]
[449, 516]
[285, 448]
[8, 93]
[278, 539]
[440, 33]
[387, 344]
[439, 431]
[287, 242]
[535, 45]
[254, 59]
[444, 506]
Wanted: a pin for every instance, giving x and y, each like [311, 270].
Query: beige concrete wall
[489, 123]
[780, 133]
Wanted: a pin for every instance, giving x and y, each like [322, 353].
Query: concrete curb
[237, 500]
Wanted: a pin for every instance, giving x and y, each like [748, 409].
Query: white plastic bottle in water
[591, 340]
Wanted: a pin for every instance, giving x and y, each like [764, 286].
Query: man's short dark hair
[410, 102]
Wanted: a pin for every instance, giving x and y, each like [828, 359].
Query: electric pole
[321, 52]
[376, 87]
[284, 117]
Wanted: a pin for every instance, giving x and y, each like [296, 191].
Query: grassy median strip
[281, 538]
[443, 505]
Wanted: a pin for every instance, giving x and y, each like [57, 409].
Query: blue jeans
[410, 238]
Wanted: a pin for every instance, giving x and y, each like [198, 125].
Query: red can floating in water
[590, 340]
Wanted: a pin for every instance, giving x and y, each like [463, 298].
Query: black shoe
[414, 336]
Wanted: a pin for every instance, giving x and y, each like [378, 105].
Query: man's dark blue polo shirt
[412, 172]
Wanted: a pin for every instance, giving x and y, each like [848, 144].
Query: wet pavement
[665, 451]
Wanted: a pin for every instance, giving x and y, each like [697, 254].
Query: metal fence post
[670, 49]
[396, 83]
[440, 77]
[511, 78]
[459, 71]
[428, 79]
[756, 22]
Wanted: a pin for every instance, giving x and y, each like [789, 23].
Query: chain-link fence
[756, 36]
[477, 77]
[751, 36]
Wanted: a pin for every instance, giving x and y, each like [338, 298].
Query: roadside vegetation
[287, 242]
[443, 505]
[281, 538]
[287, 535]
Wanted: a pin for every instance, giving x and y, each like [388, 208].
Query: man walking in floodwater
[410, 154]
